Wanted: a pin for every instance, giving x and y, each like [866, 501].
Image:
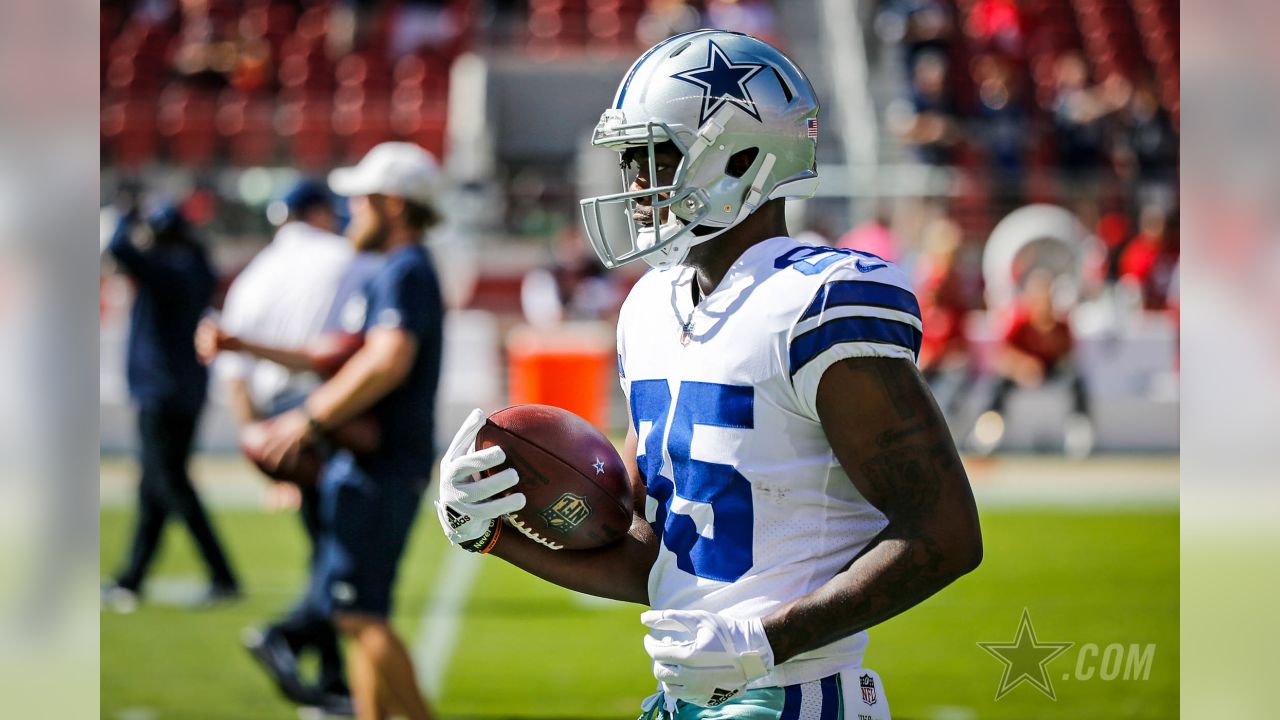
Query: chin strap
[756, 194]
[709, 132]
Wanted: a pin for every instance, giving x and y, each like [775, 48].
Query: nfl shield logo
[567, 512]
[868, 689]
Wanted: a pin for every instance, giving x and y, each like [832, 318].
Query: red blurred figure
[1148, 261]
[1036, 339]
[943, 300]
[1037, 346]
[996, 25]
[1113, 229]
[944, 297]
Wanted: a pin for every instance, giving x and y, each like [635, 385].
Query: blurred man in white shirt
[284, 298]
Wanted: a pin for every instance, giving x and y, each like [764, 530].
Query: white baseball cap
[401, 169]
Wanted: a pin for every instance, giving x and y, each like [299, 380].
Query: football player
[798, 482]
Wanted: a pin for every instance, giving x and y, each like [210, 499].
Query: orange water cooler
[571, 366]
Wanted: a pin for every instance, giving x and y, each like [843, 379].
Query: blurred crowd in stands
[1085, 88]
[260, 82]
[1069, 102]
[313, 83]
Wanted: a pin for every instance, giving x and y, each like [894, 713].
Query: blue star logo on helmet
[723, 81]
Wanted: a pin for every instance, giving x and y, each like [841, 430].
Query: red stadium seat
[313, 23]
[301, 100]
[573, 23]
[281, 20]
[109, 19]
[246, 126]
[418, 120]
[129, 131]
[352, 71]
[134, 70]
[425, 71]
[254, 21]
[304, 67]
[360, 122]
[306, 126]
[410, 70]
[120, 75]
[544, 24]
[605, 26]
[186, 120]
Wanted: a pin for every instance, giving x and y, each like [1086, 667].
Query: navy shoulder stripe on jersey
[813, 343]
[862, 292]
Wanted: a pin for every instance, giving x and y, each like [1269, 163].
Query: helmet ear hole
[740, 162]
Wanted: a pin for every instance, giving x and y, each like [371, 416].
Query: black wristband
[485, 542]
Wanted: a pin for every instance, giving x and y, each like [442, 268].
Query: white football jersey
[752, 508]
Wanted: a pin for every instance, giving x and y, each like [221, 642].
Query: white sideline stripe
[442, 619]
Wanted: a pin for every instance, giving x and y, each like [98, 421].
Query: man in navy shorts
[368, 502]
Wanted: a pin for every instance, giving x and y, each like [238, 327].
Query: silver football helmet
[712, 94]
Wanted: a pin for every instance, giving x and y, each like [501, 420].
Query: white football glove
[705, 658]
[467, 514]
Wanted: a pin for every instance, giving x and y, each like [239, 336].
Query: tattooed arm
[890, 438]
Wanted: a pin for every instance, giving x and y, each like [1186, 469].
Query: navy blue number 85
[726, 554]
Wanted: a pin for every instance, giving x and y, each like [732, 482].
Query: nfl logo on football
[868, 689]
[567, 512]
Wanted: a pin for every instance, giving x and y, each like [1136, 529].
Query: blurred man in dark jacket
[174, 284]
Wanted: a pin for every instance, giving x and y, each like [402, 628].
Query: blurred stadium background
[970, 140]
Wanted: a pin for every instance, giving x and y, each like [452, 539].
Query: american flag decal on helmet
[812, 125]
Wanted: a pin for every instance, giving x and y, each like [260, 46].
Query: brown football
[575, 485]
[330, 351]
[360, 434]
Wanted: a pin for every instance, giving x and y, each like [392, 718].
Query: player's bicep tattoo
[889, 436]
[907, 480]
[897, 386]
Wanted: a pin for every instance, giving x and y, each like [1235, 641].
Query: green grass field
[528, 649]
